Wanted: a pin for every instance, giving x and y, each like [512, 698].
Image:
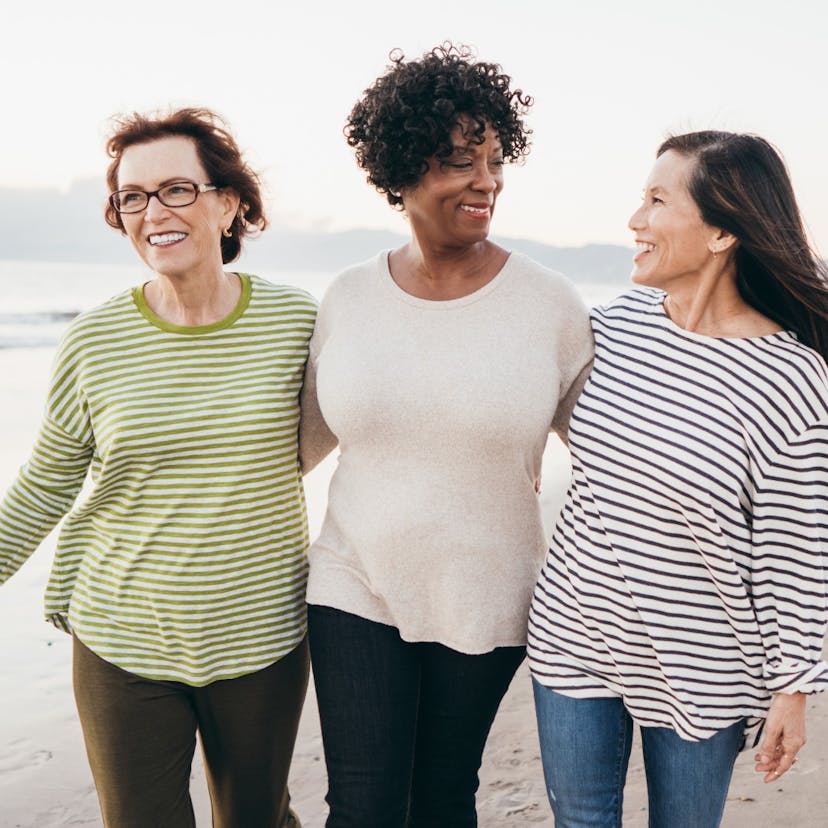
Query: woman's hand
[784, 735]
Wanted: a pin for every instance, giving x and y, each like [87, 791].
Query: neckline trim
[660, 311]
[384, 272]
[194, 330]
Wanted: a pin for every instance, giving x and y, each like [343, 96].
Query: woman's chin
[644, 278]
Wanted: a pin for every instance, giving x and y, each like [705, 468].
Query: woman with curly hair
[182, 575]
[440, 368]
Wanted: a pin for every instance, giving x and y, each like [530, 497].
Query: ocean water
[39, 299]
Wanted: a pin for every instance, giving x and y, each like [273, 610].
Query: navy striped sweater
[688, 571]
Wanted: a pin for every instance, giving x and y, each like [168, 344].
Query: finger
[786, 762]
[768, 754]
[765, 767]
[772, 739]
[780, 767]
[773, 772]
[773, 776]
[767, 760]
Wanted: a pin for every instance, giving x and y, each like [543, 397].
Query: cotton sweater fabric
[442, 410]
[688, 572]
[187, 559]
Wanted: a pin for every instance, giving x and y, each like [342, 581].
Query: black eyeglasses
[177, 194]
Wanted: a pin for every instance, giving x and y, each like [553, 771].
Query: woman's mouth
[163, 239]
[643, 248]
[480, 211]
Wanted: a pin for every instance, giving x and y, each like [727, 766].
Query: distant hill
[48, 225]
[331, 251]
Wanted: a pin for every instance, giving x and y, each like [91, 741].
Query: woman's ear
[721, 241]
[230, 200]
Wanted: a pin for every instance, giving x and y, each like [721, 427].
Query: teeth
[478, 211]
[166, 238]
[645, 246]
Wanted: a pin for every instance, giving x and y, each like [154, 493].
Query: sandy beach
[45, 780]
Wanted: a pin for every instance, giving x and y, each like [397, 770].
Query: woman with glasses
[181, 575]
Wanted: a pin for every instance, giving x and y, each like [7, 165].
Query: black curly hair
[408, 114]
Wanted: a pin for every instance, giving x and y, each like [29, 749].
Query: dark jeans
[403, 725]
[140, 737]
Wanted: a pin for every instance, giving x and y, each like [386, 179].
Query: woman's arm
[789, 569]
[790, 591]
[46, 487]
[316, 440]
[42, 493]
[576, 357]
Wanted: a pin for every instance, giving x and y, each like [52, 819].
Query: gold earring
[226, 232]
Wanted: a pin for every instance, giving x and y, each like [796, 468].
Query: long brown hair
[740, 184]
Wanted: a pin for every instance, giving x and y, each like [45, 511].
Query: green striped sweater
[187, 559]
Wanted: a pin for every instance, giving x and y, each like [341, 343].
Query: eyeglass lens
[178, 194]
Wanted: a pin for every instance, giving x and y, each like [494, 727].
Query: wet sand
[45, 780]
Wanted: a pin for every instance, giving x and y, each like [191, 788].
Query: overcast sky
[609, 79]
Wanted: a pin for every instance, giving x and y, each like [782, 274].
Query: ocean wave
[33, 328]
[8, 342]
[36, 317]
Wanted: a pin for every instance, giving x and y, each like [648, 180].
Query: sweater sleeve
[566, 404]
[577, 353]
[47, 485]
[790, 564]
[316, 440]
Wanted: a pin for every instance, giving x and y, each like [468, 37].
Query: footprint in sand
[21, 761]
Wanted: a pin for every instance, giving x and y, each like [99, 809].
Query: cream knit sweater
[442, 410]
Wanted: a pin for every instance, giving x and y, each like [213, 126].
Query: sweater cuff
[790, 676]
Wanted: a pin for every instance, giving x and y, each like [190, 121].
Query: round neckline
[661, 312]
[384, 270]
[192, 330]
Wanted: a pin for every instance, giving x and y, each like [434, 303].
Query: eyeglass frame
[199, 188]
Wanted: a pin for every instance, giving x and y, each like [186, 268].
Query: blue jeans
[585, 747]
[403, 725]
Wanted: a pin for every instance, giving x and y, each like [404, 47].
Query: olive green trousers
[140, 737]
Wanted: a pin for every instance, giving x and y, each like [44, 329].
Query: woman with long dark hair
[685, 587]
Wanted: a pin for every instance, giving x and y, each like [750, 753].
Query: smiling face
[453, 202]
[174, 241]
[673, 241]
